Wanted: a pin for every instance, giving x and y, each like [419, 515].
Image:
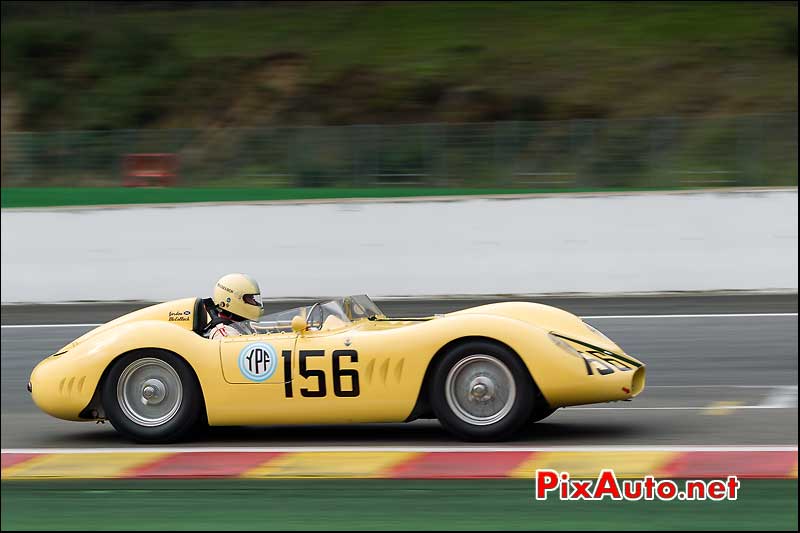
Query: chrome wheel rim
[480, 390]
[149, 392]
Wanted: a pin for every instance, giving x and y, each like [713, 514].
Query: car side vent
[398, 370]
[384, 370]
[370, 370]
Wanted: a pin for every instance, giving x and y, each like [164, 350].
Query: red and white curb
[398, 463]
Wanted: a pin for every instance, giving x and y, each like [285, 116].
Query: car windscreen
[346, 309]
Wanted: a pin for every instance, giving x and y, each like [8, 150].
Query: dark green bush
[134, 74]
[39, 52]
[121, 77]
[788, 38]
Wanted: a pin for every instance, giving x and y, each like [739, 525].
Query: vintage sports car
[484, 372]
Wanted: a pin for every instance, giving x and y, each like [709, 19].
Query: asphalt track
[722, 370]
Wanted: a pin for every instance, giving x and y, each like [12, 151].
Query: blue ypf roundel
[258, 361]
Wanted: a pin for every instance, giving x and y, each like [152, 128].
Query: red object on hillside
[145, 170]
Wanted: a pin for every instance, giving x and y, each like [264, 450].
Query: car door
[327, 374]
[348, 376]
[258, 360]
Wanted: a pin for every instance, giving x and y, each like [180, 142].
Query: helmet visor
[252, 299]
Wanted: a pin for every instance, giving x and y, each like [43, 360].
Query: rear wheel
[481, 391]
[152, 396]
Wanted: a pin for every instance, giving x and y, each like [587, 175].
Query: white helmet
[238, 294]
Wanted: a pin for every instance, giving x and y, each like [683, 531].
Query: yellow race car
[484, 372]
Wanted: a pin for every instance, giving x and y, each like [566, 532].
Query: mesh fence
[751, 150]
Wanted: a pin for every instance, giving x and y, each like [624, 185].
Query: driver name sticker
[258, 361]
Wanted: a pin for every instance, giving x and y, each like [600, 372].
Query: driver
[236, 301]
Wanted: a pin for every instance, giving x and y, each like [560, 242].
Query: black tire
[188, 417]
[513, 420]
[540, 412]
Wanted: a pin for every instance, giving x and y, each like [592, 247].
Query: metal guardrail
[751, 150]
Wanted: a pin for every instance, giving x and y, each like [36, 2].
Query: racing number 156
[321, 389]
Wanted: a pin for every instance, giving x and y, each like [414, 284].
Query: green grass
[407, 35]
[419, 39]
[579, 58]
[77, 196]
[370, 504]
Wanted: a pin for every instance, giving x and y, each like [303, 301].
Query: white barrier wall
[595, 244]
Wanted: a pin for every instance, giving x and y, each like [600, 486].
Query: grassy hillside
[365, 62]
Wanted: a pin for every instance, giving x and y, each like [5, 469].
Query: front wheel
[152, 396]
[481, 391]
[542, 412]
